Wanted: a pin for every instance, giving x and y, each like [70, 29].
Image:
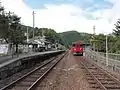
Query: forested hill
[71, 36]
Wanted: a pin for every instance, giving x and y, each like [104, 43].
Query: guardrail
[111, 55]
[100, 59]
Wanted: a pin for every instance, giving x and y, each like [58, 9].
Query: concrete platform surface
[4, 60]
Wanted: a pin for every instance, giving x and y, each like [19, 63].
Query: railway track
[30, 80]
[98, 78]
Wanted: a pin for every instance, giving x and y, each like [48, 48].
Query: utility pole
[9, 24]
[94, 37]
[33, 23]
[94, 29]
[42, 33]
[27, 35]
[106, 50]
[27, 40]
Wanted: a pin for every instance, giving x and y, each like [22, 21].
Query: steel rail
[94, 77]
[24, 76]
[106, 72]
[33, 86]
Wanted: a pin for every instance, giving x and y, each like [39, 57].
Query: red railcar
[77, 48]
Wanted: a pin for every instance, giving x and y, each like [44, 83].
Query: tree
[10, 28]
[100, 42]
[16, 34]
[50, 35]
[3, 24]
[116, 31]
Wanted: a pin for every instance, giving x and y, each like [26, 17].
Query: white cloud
[65, 16]
[19, 8]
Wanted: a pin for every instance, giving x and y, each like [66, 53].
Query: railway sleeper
[82, 67]
[95, 86]
[112, 86]
[24, 83]
[34, 76]
[92, 82]
[104, 79]
[101, 77]
[29, 80]
[18, 88]
[88, 74]
[92, 68]
[90, 79]
[100, 74]
[36, 73]
[96, 72]
[40, 72]
[110, 83]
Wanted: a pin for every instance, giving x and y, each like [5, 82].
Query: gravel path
[67, 75]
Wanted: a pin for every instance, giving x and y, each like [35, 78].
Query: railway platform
[10, 65]
[9, 59]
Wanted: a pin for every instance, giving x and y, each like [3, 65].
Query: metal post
[27, 40]
[42, 33]
[27, 35]
[12, 47]
[33, 22]
[94, 29]
[94, 37]
[106, 51]
[33, 26]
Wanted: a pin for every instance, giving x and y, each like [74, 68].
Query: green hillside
[72, 36]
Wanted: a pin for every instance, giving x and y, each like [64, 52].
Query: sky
[66, 15]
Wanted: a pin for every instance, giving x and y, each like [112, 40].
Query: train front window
[73, 45]
[77, 45]
[81, 45]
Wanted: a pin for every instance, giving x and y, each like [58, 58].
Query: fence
[7, 53]
[3, 49]
[100, 59]
[111, 55]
